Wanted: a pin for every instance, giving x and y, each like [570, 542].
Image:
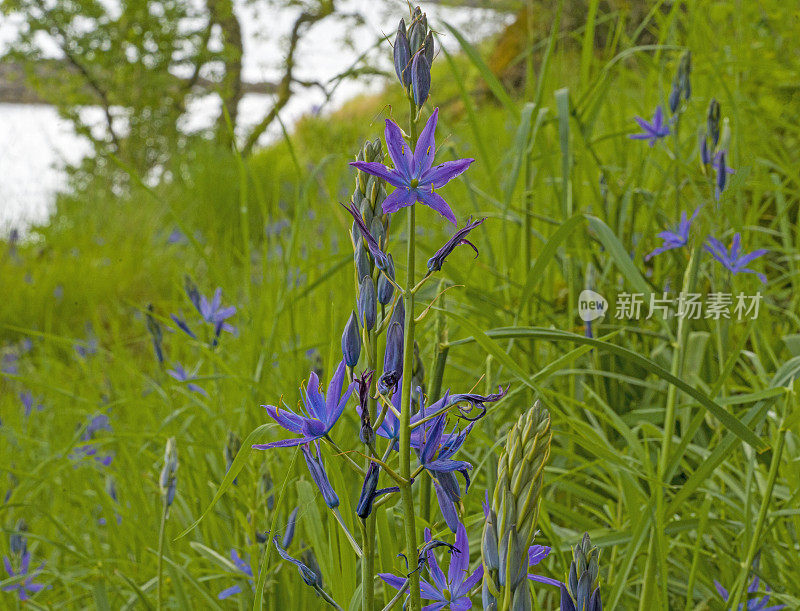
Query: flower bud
[368, 490]
[674, 97]
[712, 122]
[417, 32]
[386, 288]
[378, 232]
[17, 542]
[402, 55]
[428, 48]
[366, 206]
[420, 79]
[363, 267]
[705, 154]
[351, 342]
[399, 313]
[367, 303]
[167, 481]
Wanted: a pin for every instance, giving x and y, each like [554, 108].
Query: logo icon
[591, 305]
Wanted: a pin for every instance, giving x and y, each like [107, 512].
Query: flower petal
[459, 560]
[283, 443]
[443, 173]
[435, 202]
[426, 145]
[333, 395]
[228, 592]
[399, 151]
[381, 171]
[434, 570]
[399, 198]
[395, 581]
[287, 419]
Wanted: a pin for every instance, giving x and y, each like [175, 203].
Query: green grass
[105, 256]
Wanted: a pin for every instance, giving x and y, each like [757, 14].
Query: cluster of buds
[582, 592]
[714, 146]
[167, 481]
[681, 84]
[511, 520]
[413, 57]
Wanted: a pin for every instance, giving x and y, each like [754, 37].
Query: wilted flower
[459, 237]
[413, 176]
[25, 587]
[675, 239]
[449, 592]
[381, 261]
[244, 567]
[653, 130]
[180, 374]
[732, 259]
[392, 359]
[754, 604]
[311, 578]
[477, 401]
[370, 491]
[321, 413]
[320, 476]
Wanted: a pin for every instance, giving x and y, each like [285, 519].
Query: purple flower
[370, 491]
[28, 403]
[675, 239]
[413, 175]
[96, 424]
[733, 260]
[9, 366]
[459, 237]
[754, 604]
[449, 592]
[180, 374]
[244, 567]
[24, 587]
[212, 311]
[321, 413]
[652, 130]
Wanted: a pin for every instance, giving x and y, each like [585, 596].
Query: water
[36, 144]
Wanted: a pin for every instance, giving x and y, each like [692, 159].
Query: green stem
[368, 525]
[405, 417]
[161, 530]
[741, 580]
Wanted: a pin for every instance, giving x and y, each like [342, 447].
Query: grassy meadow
[571, 203]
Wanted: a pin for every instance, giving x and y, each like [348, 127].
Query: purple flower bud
[17, 541]
[288, 534]
[428, 48]
[351, 342]
[712, 122]
[417, 31]
[367, 303]
[402, 54]
[722, 175]
[705, 154]
[361, 259]
[320, 477]
[393, 359]
[674, 97]
[386, 288]
[420, 79]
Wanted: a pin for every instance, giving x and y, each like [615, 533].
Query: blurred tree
[141, 62]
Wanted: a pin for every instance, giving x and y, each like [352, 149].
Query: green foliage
[511, 318]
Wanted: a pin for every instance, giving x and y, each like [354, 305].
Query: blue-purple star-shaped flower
[734, 260]
[451, 591]
[321, 412]
[754, 604]
[414, 175]
[25, 587]
[243, 567]
[675, 239]
[652, 130]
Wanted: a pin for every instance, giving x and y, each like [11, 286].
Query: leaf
[733, 424]
[233, 472]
